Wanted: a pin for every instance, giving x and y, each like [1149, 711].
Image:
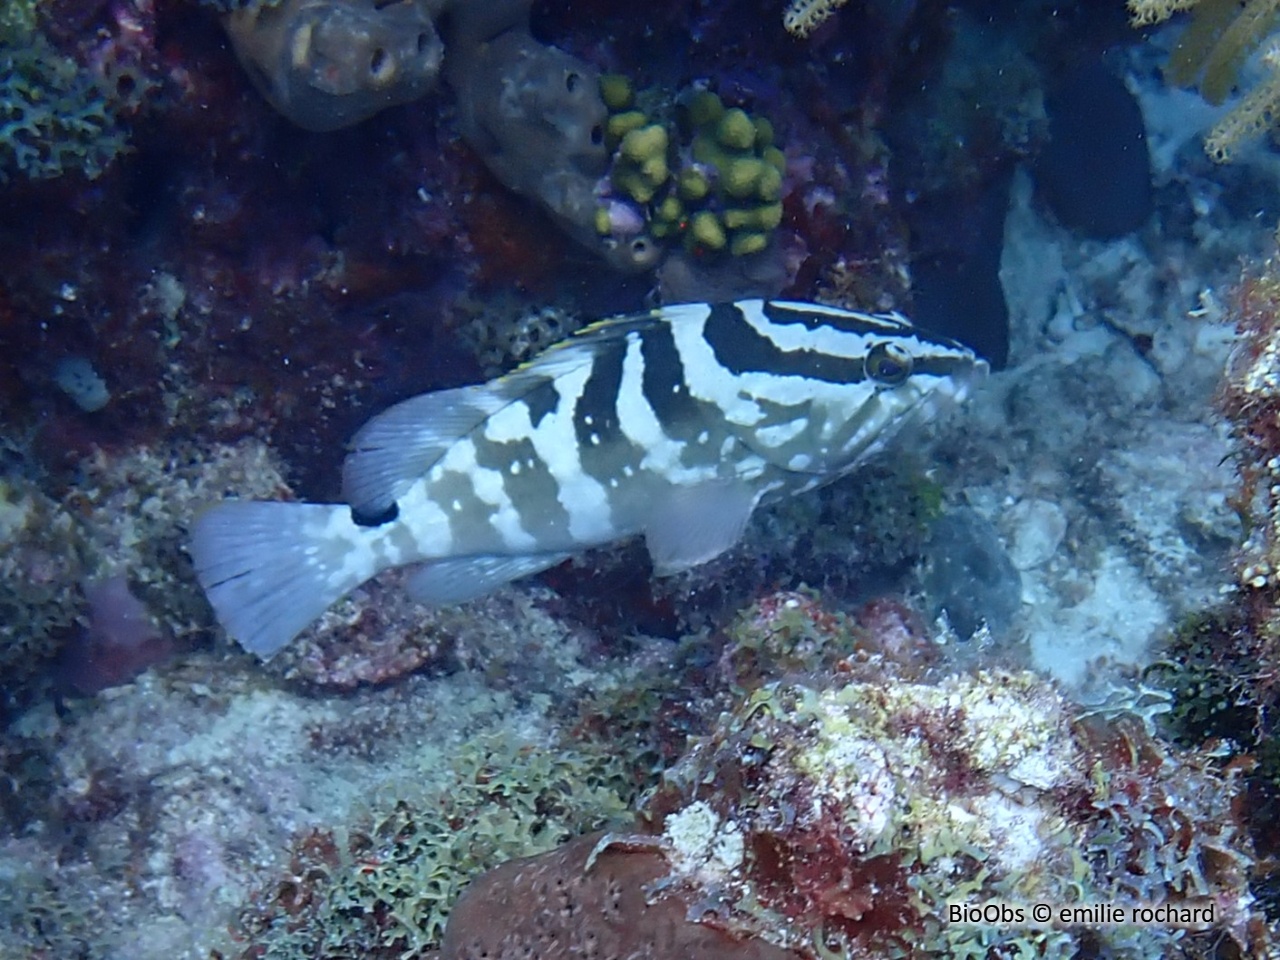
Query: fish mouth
[943, 399]
[921, 410]
[961, 380]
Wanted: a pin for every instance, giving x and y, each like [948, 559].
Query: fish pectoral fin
[465, 578]
[698, 523]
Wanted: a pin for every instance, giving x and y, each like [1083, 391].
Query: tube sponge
[537, 118]
[327, 64]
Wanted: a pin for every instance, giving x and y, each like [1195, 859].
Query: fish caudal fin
[270, 569]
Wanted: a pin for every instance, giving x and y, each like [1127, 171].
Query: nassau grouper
[673, 424]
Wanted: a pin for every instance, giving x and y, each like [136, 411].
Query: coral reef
[783, 634]
[846, 816]
[1250, 399]
[536, 116]
[137, 506]
[531, 111]
[76, 76]
[247, 293]
[860, 539]
[873, 804]
[386, 887]
[41, 562]
[123, 524]
[55, 118]
[379, 634]
[156, 818]
[859, 808]
[712, 177]
[1224, 665]
[1211, 675]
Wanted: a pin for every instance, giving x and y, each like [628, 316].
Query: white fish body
[673, 424]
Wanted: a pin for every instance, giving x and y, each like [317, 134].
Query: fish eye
[888, 363]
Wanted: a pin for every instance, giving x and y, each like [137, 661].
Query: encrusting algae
[843, 818]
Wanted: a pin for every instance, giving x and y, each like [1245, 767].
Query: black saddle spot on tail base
[364, 519]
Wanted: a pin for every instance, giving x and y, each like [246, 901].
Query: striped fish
[672, 424]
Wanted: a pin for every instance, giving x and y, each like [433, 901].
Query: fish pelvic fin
[270, 569]
[695, 524]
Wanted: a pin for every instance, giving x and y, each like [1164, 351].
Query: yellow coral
[1197, 45]
[1249, 28]
[802, 17]
[1209, 54]
[1252, 116]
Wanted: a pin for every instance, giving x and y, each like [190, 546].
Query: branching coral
[1210, 54]
[1146, 12]
[1253, 116]
[1219, 40]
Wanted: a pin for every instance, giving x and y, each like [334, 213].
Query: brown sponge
[536, 117]
[327, 64]
[556, 907]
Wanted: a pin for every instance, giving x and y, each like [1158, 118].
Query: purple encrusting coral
[119, 642]
[1033, 659]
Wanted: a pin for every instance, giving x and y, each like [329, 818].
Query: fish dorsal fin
[691, 525]
[398, 446]
[569, 354]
